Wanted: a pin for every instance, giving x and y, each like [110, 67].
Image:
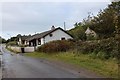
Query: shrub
[105, 48]
[93, 55]
[102, 55]
[87, 47]
[12, 43]
[56, 46]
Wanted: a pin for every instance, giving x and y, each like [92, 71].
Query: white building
[90, 32]
[47, 36]
[22, 40]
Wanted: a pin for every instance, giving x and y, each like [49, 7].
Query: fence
[18, 49]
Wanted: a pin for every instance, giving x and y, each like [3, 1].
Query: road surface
[18, 66]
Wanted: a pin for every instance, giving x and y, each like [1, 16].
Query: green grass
[9, 49]
[108, 68]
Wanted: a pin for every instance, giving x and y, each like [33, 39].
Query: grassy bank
[108, 68]
[9, 49]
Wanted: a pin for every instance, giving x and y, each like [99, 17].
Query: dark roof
[24, 37]
[43, 34]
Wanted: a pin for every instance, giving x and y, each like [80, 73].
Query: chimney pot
[53, 27]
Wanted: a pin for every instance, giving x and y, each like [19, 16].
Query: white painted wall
[29, 49]
[18, 49]
[56, 35]
[90, 32]
[42, 41]
[20, 41]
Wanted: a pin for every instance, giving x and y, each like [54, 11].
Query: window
[39, 41]
[50, 35]
[63, 38]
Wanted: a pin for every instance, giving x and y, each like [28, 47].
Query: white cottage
[47, 36]
[90, 32]
[22, 40]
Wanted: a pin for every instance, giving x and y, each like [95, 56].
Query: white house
[90, 32]
[47, 36]
[22, 40]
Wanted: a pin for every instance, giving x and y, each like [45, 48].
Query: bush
[93, 55]
[56, 46]
[12, 43]
[86, 47]
[105, 48]
[102, 55]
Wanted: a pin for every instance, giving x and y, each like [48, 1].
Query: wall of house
[56, 35]
[19, 41]
[90, 32]
[29, 49]
[42, 41]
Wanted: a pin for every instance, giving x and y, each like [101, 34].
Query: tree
[78, 32]
[12, 39]
[104, 23]
[2, 40]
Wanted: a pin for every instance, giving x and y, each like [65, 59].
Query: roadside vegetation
[14, 51]
[2, 40]
[56, 46]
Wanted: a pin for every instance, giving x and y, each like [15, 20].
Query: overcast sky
[30, 17]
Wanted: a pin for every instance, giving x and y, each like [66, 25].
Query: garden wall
[18, 49]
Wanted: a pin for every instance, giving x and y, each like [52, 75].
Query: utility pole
[64, 26]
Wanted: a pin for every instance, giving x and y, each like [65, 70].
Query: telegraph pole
[64, 26]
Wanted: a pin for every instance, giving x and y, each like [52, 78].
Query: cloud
[56, 0]
[30, 17]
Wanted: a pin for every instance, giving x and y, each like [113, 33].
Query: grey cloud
[29, 17]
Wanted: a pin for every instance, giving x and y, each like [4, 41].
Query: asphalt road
[17, 66]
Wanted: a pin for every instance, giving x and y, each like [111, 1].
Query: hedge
[56, 46]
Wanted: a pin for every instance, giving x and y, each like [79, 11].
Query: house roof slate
[24, 37]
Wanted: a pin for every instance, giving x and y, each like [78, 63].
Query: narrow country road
[17, 66]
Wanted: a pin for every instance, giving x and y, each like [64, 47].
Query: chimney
[52, 27]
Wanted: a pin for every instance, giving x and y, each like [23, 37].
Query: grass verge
[12, 50]
[108, 68]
